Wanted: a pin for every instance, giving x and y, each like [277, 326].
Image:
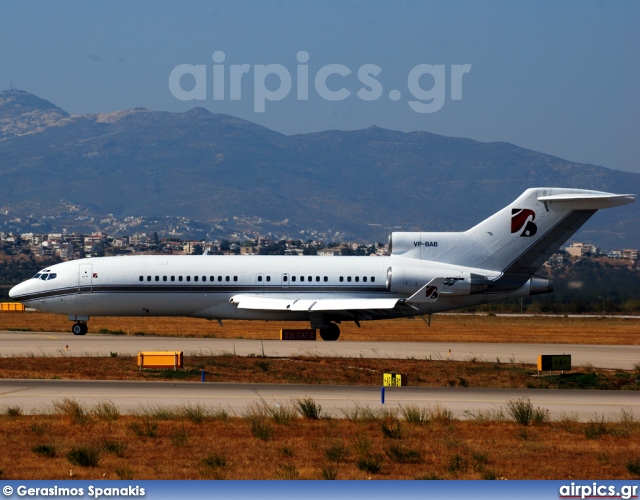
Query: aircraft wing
[310, 305]
[428, 293]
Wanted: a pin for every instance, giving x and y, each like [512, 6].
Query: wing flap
[311, 305]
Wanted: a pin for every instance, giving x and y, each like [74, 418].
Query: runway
[37, 396]
[67, 344]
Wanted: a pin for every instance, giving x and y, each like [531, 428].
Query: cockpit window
[44, 277]
[52, 276]
[37, 276]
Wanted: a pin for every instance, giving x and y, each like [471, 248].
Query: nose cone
[19, 291]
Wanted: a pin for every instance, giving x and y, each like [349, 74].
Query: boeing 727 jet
[424, 273]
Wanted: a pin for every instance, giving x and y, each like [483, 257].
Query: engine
[406, 280]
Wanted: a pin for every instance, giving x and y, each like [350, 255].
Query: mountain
[208, 166]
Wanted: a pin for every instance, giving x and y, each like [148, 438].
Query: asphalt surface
[37, 396]
[67, 344]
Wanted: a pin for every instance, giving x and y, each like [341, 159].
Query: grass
[314, 449]
[444, 328]
[84, 456]
[46, 450]
[522, 411]
[309, 370]
[308, 408]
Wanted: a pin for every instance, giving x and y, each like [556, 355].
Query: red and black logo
[523, 218]
[431, 292]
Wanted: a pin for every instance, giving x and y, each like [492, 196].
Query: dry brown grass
[226, 448]
[451, 328]
[320, 370]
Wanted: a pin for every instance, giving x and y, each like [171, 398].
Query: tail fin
[518, 239]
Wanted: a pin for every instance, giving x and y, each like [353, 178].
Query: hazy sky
[557, 77]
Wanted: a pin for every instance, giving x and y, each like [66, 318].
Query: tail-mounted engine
[406, 280]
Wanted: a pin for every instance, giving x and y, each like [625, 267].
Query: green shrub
[261, 428]
[124, 473]
[116, 447]
[371, 464]
[13, 411]
[391, 429]
[72, 409]
[337, 451]
[287, 471]
[456, 464]
[308, 408]
[196, 414]
[329, 473]
[84, 456]
[523, 412]
[414, 414]
[47, 450]
[633, 466]
[146, 428]
[107, 411]
[597, 427]
[403, 455]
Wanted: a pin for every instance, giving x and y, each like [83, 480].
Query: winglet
[428, 293]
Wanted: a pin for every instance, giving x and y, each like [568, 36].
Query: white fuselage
[201, 286]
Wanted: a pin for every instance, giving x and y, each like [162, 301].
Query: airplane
[424, 273]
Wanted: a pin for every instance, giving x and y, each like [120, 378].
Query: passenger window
[141, 278]
[373, 279]
[179, 278]
[173, 278]
[268, 278]
[341, 279]
[317, 278]
[204, 278]
[284, 278]
[310, 278]
[326, 278]
[357, 278]
[364, 278]
[157, 278]
[148, 278]
[226, 278]
[188, 278]
[235, 278]
[259, 278]
[293, 278]
[164, 278]
[211, 278]
[195, 278]
[219, 278]
[349, 279]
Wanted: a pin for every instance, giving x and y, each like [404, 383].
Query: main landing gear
[330, 332]
[79, 328]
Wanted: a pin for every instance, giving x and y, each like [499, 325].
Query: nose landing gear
[79, 328]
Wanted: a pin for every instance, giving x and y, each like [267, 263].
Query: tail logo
[431, 292]
[522, 219]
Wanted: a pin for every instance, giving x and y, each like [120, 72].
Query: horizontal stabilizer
[258, 302]
[585, 201]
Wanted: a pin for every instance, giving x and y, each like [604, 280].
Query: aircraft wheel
[79, 329]
[330, 333]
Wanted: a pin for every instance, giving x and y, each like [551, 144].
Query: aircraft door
[85, 278]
